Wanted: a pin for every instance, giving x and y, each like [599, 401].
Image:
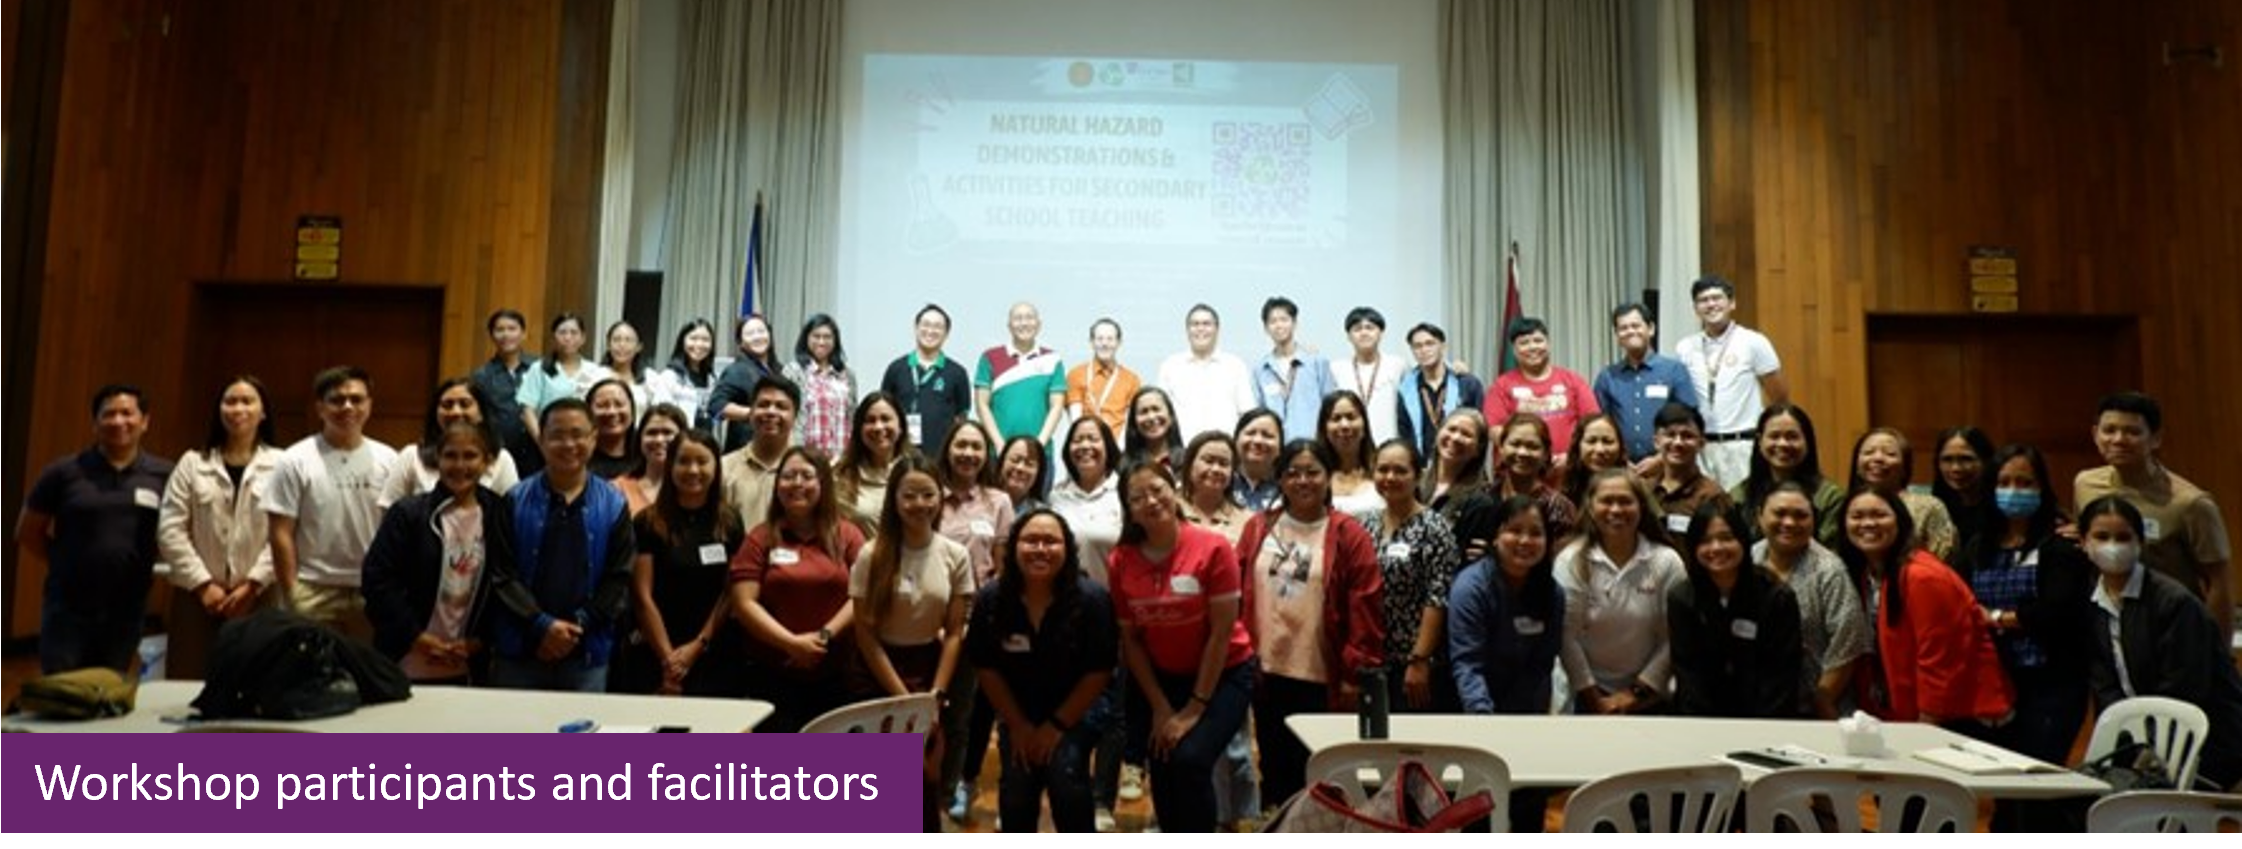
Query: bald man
[1020, 388]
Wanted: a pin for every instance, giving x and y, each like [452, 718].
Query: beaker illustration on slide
[929, 231]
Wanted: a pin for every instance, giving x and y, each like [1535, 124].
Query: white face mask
[2114, 558]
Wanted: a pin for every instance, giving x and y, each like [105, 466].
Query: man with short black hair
[1736, 375]
[323, 502]
[2186, 536]
[1290, 381]
[933, 390]
[89, 524]
[500, 378]
[1635, 389]
[573, 549]
[750, 471]
[1542, 387]
[1681, 485]
[1208, 387]
[1371, 374]
[1432, 390]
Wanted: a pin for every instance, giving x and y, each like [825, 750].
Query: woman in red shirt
[1938, 662]
[1177, 595]
[1314, 601]
[790, 586]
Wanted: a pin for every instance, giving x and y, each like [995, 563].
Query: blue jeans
[1183, 782]
[70, 638]
[566, 676]
[1066, 777]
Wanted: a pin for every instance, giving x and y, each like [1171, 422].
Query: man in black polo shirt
[91, 522]
[933, 389]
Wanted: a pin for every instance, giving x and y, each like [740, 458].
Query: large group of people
[1134, 581]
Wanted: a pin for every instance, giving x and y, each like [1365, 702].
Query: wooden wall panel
[1855, 149]
[192, 135]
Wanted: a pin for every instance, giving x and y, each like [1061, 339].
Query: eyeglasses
[348, 400]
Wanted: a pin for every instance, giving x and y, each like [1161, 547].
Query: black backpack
[275, 664]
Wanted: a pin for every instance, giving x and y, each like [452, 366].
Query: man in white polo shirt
[323, 505]
[1209, 388]
[1736, 374]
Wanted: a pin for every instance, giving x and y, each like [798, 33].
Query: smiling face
[772, 415]
[566, 440]
[1105, 341]
[798, 489]
[342, 411]
[1616, 510]
[506, 335]
[1345, 426]
[1879, 462]
[1783, 443]
[1532, 350]
[1428, 350]
[1212, 467]
[1458, 441]
[692, 470]
[242, 409]
[1524, 453]
[568, 339]
[699, 344]
[1154, 419]
[1394, 473]
[1787, 519]
[1280, 325]
[1306, 483]
[931, 330]
[1365, 336]
[1086, 452]
[1259, 440]
[755, 337]
[1041, 548]
[1721, 551]
[622, 345]
[1633, 333]
[918, 500]
[2124, 439]
[881, 427]
[1521, 542]
[1713, 308]
[821, 342]
[457, 404]
[1149, 498]
[1201, 328]
[611, 411]
[1022, 465]
[1024, 323]
[1679, 444]
[968, 453]
[656, 437]
[460, 463]
[1871, 525]
[1599, 446]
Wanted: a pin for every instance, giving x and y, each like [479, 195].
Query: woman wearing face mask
[1829, 608]
[1616, 575]
[2153, 637]
[1937, 662]
[1735, 629]
[1787, 452]
[1883, 461]
[457, 400]
[1965, 483]
[1150, 432]
[691, 373]
[2034, 586]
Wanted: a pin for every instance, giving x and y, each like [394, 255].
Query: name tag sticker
[2150, 528]
[147, 498]
[1398, 551]
[1677, 523]
[785, 557]
[1018, 644]
[982, 528]
[1647, 586]
[712, 554]
[1527, 626]
[1657, 391]
[1521, 392]
[1184, 585]
[1744, 629]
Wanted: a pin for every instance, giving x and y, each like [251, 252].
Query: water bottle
[1371, 710]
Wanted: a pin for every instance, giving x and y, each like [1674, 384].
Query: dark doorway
[286, 333]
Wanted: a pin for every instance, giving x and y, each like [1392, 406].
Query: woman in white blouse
[1615, 573]
[414, 471]
[211, 528]
[1089, 499]
[691, 373]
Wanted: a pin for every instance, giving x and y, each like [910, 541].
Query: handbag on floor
[1412, 802]
[90, 693]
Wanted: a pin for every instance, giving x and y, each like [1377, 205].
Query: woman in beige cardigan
[211, 528]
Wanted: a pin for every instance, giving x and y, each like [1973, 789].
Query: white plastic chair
[1360, 767]
[2172, 728]
[912, 714]
[1667, 801]
[2165, 811]
[1829, 801]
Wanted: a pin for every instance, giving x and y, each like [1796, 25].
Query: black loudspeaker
[642, 307]
[1650, 306]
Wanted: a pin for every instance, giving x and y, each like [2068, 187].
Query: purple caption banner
[549, 783]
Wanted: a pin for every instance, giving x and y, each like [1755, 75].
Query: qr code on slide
[1261, 170]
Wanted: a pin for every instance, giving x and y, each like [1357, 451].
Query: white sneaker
[1132, 783]
[1105, 820]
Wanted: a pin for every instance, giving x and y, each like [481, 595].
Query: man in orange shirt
[1103, 386]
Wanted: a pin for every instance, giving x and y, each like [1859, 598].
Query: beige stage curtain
[618, 176]
[1548, 144]
[758, 111]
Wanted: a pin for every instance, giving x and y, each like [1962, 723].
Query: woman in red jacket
[1938, 663]
[1313, 602]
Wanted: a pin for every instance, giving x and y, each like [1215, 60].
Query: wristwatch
[825, 635]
